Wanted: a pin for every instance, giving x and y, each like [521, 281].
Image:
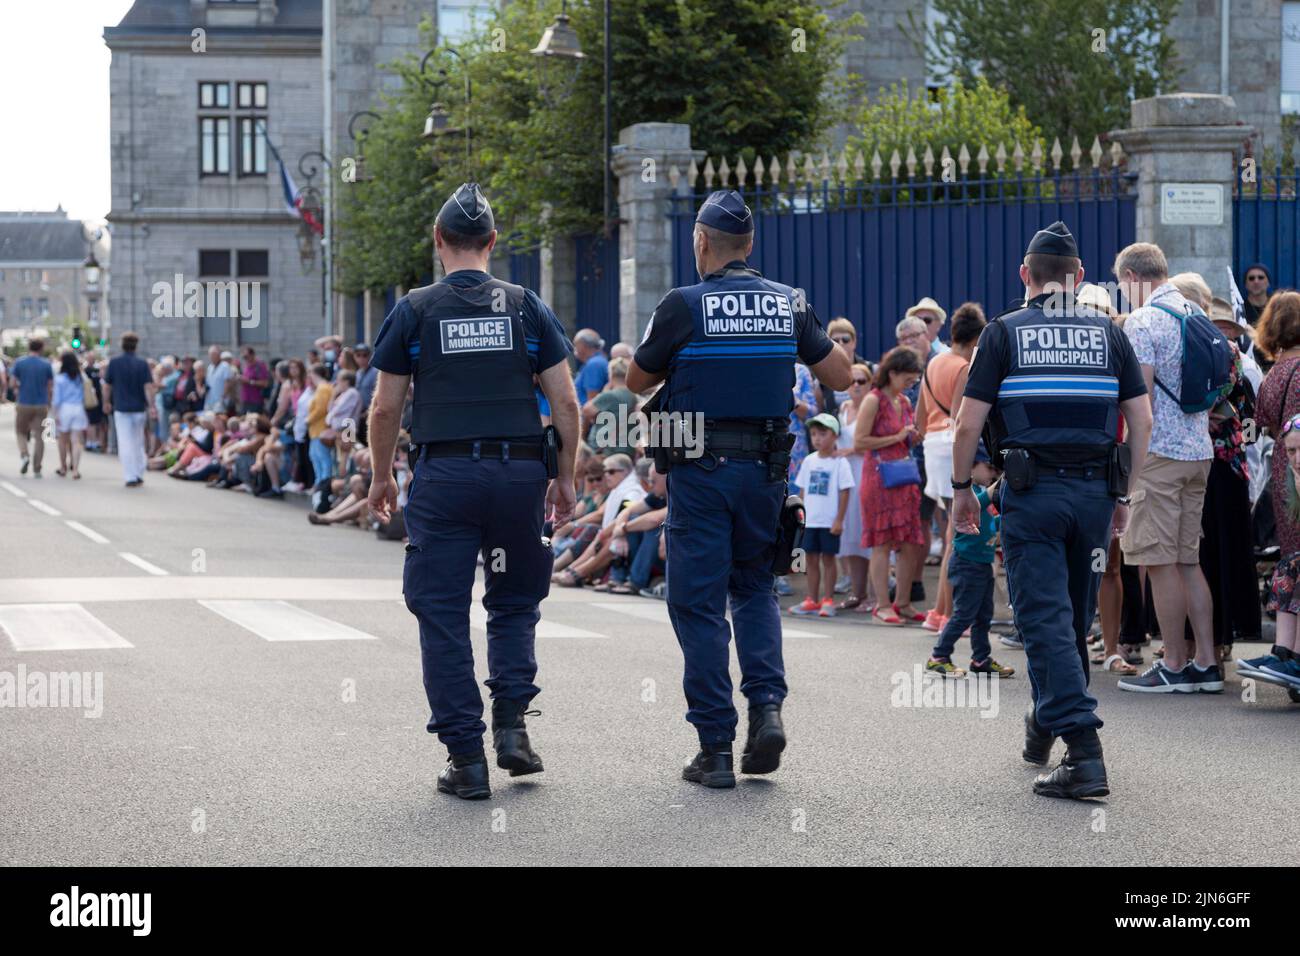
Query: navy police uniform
[728, 346]
[473, 344]
[1055, 383]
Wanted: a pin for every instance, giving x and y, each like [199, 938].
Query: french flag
[293, 201]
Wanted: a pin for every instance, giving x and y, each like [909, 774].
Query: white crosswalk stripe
[57, 627]
[282, 621]
[657, 611]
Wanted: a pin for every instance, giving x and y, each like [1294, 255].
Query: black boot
[711, 767]
[466, 775]
[1038, 742]
[510, 738]
[765, 741]
[1081, 774]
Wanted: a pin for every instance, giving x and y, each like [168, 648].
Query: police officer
[1052, 378]
[727, 348]
[479, 485]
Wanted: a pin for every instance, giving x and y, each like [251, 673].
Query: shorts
[70, 418]
[1164, 525]
[820, 541]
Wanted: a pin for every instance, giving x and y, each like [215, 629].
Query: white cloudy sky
[54, 104]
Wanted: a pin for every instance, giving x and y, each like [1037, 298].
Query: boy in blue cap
[970, 571]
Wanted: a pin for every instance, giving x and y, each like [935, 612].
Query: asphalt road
[217, 746]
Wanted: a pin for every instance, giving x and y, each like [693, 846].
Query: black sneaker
[1208, 680]
[1159, 679]
[22, 470]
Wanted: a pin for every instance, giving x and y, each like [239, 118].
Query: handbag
[88, 396]
[899, 472]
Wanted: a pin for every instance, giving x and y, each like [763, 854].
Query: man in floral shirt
[1164, 529]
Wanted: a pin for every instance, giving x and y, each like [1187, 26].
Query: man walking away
[34, 384]
[128, 396]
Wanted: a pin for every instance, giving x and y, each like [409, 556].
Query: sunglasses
[860, 381]
[1256, 278]
[1292, 422]
[842, 339]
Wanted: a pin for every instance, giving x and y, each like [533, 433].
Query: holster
[1118, 468]
[662, 454]
[779, 445]
[789, 534]
[1019, 469]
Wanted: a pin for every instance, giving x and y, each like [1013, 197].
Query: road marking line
[56, 627]
[90, 533]
[195, 587]
[658, 612]
[141, 563]
[13, 489]
[43, 508]
[280, 621]
[478, 621]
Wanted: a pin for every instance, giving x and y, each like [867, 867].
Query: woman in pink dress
[891, 517]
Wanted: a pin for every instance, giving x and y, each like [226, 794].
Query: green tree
[1074, 65]
[752, 77]
[974, 116]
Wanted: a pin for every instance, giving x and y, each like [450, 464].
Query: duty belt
[743, 440]
[476, 450]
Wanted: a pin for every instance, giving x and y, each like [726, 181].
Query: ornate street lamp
[559, 57]
[359, 137]
[436, 123]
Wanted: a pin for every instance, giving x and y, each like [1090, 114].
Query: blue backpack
[1207, 361]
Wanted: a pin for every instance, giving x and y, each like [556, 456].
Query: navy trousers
[972, 606]
[722, 527]
[1054, 539]
[458, 508]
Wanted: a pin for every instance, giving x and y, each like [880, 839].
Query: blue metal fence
[868, 250]
[526, 268]
[597, 278]
[1266, 227]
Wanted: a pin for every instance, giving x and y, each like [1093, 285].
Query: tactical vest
[739, 362]
[1060, 397]
[473, 379]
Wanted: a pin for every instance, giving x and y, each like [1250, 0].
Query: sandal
[568, 578]
[933, 561]
[914, 617]
[891, 619]
[849, 603]
[1116, 664]
[604, 587]
[76, 474]
[61, 472]
[622, 589]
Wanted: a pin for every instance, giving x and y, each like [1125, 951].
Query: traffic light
[76, 337]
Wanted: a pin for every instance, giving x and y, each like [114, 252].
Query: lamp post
[560, 57]
[435, 124]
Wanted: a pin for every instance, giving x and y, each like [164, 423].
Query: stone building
[43, 282]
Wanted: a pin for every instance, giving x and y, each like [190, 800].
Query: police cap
[725, 209]
[466, 212]
[1055, 240]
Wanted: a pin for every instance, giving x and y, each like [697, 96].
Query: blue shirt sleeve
[548, 346]
[989, 368]
[397, 347]
[813, 343]
[670, 328]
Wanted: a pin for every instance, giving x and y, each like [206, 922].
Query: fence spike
[876, 164]
[774, 171]
[674, 176]
[859, 167]
[963, 159]
[1018, 157]
[724, 174]
[1075, 153]
[983, 158]
[945, 162]
[826, 166]
[842, 167]
[894, 162]
[791, 171]
[742, 173]
[1096, 152]
[692, 174]
[1116, 153]
[927, 160]
[809, 172]
[911, 162]
[1001, 157]
[708, 172]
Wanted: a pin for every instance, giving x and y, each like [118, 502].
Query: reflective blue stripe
[752, 348]
[1060, 385]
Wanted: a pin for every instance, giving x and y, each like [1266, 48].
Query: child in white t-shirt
[825, 481]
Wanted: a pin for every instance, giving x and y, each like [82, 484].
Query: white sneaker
[1008, 640]
[293, 486]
